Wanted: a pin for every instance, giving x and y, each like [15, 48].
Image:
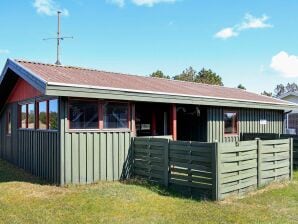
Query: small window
[42, 115]
[115, 115]
[230, 120]
[53, 114]
[8, 123]
[83, 114]
[23, 117]
[31, 116]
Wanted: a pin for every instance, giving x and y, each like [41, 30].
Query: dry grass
[25, 199]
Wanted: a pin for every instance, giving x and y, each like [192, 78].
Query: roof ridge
[118, 73]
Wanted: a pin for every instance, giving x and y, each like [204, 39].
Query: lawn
[25, 199]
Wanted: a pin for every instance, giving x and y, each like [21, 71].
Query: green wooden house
[74, 125]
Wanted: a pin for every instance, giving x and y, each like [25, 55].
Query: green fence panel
[238, 166]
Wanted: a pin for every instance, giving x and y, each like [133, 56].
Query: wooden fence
[272, 136]
[237, 168]
[212, 170]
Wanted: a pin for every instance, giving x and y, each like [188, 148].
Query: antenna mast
[58, 38]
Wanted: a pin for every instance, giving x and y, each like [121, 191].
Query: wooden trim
[8, 121]
[67, 91]
[100, 115]
[27, 115]
[174, 121]
[37, 115]
[47, 114]
[133, 119]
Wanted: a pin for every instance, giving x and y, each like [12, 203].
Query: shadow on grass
[171, 191]
[11, 173]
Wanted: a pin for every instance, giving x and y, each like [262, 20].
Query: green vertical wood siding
[39, 153]
[94, 156]
[36, 151]
[249, 122]
[90, 156]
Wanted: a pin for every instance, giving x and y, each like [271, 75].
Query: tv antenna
[59, 39]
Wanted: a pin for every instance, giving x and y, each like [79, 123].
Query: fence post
[215, 171]
[259, 172]
[291, 158]
[166, 161]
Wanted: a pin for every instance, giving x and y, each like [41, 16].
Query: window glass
[116, 115]
[23, 116]
[9, 122]
[53, 114]
[83, 114]
[42, 117]
[230, 119]
[31, 116]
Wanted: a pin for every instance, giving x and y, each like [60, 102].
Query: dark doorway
[191, 123]
[152, 119]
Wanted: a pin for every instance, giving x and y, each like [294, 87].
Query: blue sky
[250, 42]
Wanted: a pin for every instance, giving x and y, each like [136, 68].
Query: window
[23, 116]
[48, 114]
[83, 114]
[53, 114]
[115, 115]
[31, 116]
[230, 120]
[8, 123]
[42, 115]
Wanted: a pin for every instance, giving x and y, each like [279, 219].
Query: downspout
[286, 116]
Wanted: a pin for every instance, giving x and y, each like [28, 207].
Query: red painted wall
[21, 91]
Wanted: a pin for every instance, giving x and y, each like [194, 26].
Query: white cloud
[226, 33]
[249, 22]
[119, 3]
[285, 64]
[151, 3]
[48, 7]
[4, 51]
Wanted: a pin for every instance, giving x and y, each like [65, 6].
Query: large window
[116, 115]
[83, 114]
[40, 115]
[231, 122]
[27, 116]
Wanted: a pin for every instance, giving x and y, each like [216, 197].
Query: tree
[240, 86]
[291, 87]
[188, 75]
[266, 93]
[279, 90]
[159, 74]
[204, 76]
[209, 77]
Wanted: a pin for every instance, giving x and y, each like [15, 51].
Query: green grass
[25, 199]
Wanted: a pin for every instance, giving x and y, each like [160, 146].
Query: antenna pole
[58, 40]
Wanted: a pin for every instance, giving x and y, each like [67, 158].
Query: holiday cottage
[74, 125]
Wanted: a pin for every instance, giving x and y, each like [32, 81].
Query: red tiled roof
[69, 75]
